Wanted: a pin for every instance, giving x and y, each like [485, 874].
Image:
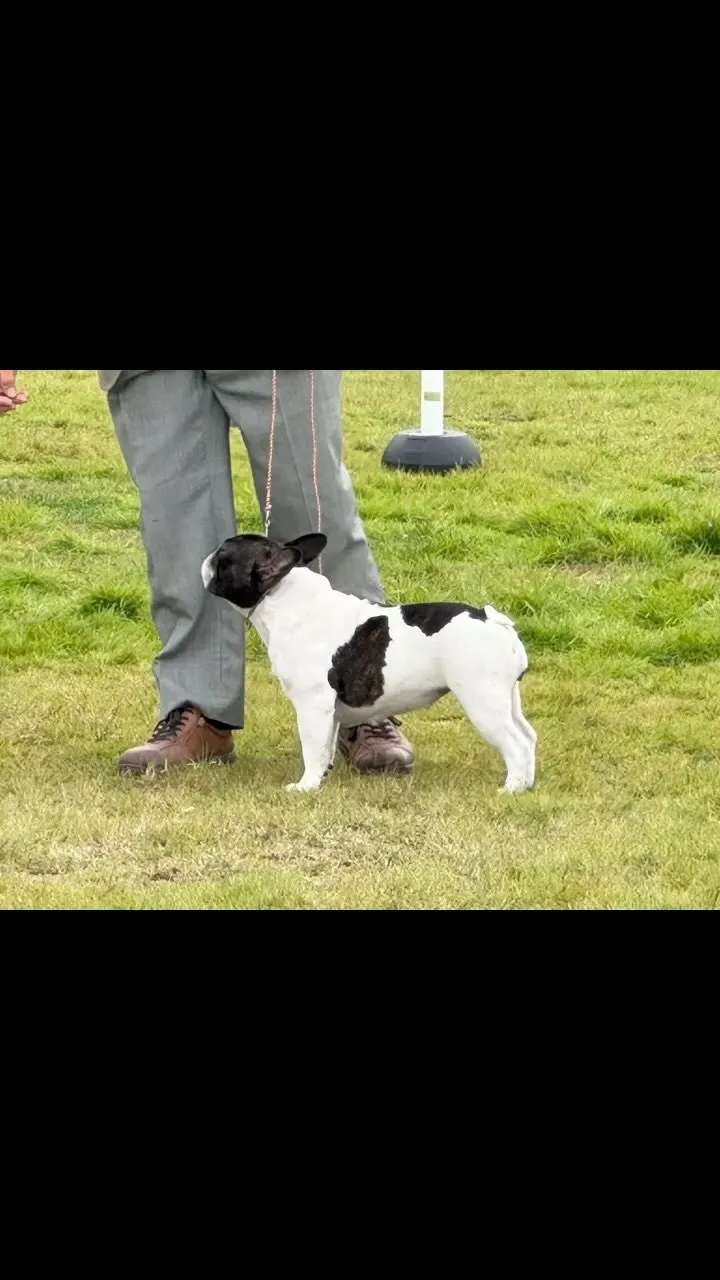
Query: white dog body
[344, 661]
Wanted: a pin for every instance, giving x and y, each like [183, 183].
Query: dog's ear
[310, 546]
[275, 563]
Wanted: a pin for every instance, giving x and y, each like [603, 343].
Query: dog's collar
[251, 612]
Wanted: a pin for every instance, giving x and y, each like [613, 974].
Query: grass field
[595, 523]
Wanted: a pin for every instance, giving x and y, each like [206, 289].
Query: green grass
[595, 523]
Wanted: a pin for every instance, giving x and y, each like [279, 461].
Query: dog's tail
[492, 615]
[516, 644]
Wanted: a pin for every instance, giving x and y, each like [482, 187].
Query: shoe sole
[141, 770]
[385, 768]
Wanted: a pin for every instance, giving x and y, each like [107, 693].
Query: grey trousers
[173, 427]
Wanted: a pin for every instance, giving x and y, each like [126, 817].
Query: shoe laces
[385, 730]
[168, 728]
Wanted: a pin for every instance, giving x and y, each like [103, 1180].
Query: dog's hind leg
[318, 731]
[490, 707]
[525, 728]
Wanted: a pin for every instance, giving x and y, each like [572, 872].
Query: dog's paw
[515, 786]
[301, 788]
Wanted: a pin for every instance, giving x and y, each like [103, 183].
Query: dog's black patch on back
[356, 673]
[431, 618]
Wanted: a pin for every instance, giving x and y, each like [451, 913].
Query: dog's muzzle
[208, 570]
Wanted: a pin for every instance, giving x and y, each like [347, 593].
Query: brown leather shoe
[377, 748]
[183, 737]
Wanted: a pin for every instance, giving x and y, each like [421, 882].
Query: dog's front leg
[318, 730]
[334, 745]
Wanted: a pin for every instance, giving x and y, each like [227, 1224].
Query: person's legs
[172, 426]
[174, 435]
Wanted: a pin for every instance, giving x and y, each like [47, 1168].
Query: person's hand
[10, 397]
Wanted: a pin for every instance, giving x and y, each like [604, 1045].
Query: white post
[432, 448]
[432, 407]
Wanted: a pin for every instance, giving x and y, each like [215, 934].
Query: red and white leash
[271, 456]
[271, 453]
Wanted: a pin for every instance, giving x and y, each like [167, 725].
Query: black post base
[415, 451]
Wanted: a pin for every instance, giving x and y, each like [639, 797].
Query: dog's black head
[244, 569]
